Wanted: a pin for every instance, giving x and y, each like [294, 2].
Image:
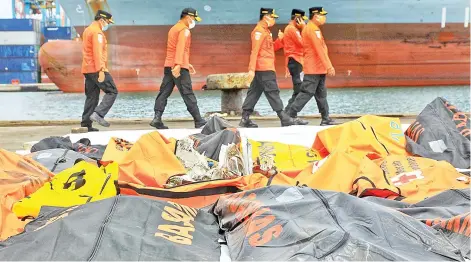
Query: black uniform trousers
[263, 82]
[295, 68]
[313, 85]
[183, 83]
[92, 92]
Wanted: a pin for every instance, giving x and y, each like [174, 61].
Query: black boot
[327, 121]
[91, 129]
[99, 119]
[157, 121]
[286, 120]
[199, 121]
[246, 122]
[297, 121]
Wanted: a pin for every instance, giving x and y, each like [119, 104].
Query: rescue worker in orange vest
[316, 65]
[95, 70]
[262, 76]
[177, 70]
[293, 49]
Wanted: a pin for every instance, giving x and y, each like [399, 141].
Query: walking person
[95, 70]
[293, 50]
[261, 75]
[316, 66]
[177, 70]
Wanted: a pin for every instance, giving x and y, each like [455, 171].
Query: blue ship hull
[216, 12]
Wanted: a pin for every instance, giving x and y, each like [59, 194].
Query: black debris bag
[216, 133]
[215, 124]
[51, 143]
[58, 159]
[441, 132]
[122, 228]
[92, 151]
[290, 223]
[83, 146]
[211, 145]
[447, 212]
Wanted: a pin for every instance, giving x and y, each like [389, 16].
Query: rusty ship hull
[364, 54]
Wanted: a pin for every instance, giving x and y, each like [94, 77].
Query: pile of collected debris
[364, 190]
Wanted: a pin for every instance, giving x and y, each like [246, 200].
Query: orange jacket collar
[183, 23]
[314, 25]
[263, 24]
[97, 25]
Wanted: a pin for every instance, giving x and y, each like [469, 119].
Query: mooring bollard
[232, 86]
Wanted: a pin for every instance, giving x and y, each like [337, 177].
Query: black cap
[268, 11]
[299, 13]
[192, 12]
[317, 10]
[105, 15]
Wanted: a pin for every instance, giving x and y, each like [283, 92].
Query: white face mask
[320, 21]
[105, 26]
[270, 22]
[192, 24]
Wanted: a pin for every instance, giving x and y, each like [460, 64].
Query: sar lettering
[460, 119]
[247, 207]
[267, 236]
[259, 223]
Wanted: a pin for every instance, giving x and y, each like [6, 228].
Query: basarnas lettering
[182, 218]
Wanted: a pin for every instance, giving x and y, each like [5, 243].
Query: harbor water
[392, 100]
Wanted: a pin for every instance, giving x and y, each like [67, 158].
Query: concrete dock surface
[13, 134]
[39, 87]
